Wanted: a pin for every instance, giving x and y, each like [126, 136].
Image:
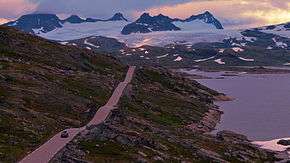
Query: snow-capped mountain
[40, 22]
[147, 23]
[74, 19]
[118, 17]
[279, 29]
[44, 23]
[206, 17]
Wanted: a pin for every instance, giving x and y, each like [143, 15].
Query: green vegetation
[99, 150]
[168, 103]
[6, 52]
[46, 87]
[152, 120]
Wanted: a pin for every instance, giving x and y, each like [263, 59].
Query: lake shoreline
[270, 144]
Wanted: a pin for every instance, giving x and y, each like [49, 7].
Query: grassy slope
[46, 87]
[151, 124]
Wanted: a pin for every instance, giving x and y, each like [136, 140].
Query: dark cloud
[99, 8]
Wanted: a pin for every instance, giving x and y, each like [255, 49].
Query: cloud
[233, 13]
[10, 9]
[99, 8]
[2, 20]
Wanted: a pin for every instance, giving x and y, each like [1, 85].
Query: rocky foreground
[46, 87]
[162, 118]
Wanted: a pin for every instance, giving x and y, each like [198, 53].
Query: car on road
[64, 134]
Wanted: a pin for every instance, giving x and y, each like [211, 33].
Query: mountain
[36, 22]
[117, 17]
[278, 29]
[74, 19]
[147, 23]
[46, 87]
[44, 23]
[206, 17]
[252, 48]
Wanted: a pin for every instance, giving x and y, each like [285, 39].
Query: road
[48, 150]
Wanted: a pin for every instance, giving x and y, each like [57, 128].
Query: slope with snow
[76, 31]
[196, 25]
[280, 29]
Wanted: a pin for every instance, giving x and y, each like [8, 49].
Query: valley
[194, 91]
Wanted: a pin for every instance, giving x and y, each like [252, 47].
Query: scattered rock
[158, 158]
[284, 142]
[231, 136]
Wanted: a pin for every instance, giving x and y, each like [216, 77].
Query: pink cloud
[235, 13]
[2, 20]
[14, 8]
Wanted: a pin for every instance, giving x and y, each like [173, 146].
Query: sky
[232, 13]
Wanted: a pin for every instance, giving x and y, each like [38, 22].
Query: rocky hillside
[147, 23]
[162, 118]
[252, 48]
[44, 23]
[46, 87]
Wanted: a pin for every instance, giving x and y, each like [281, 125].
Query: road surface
[47, 151]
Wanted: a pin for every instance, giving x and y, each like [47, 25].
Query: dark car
[64, 134]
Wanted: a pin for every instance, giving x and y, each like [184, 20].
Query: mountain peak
[118, 17]
[206, 17]
[207, 13]
[146, 18]
[74, 19]
[31, 22]
[145, 15]
[147, 23]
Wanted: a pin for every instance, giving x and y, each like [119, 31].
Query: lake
[261, 109]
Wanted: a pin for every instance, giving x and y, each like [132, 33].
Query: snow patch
[269, 47]
[63, 43]
[219, 61]
[13, 24]
[278, 30]
[76, 31]
[280, 44]
[237, 49]
[162, 56]
[205, 59]
[221, 50]
[90, 44]
[246, 59]
[122, 51]
[250, 39]
[272, 145]
[38, 30]
[235, 44]
[243, 44]
[196, 25]
[178, 59]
